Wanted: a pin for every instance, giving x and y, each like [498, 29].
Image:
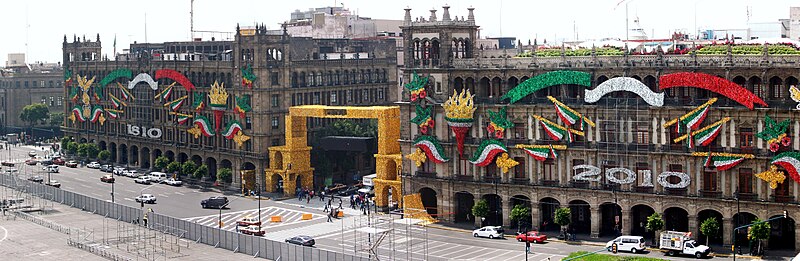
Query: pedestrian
[145, 219]
[308, 199]
[330, 214]
[340, 203]
[352, 203]
[327, 206]
[528, 246]
[311, 192]
[363, 210]
[322, 195]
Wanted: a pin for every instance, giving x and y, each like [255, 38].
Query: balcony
[782, 198]
[424, 174]
[491, 179]
[550, 183]
[579, 184]
[748, 196]
[638, 189]
[676, 191]
[464, 178]
[520, 181]
[710, 193]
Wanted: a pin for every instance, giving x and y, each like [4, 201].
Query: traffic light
[614, 248]
[785, 214]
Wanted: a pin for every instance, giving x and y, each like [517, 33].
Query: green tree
[34, 113]
[173, 167]
[480, 209]
[758, 232]
[161, 162]
[64, 141]
[56, 119]
[709, 228]
[563, 217]
[188, 168]
[654, 223]
[72, 147]
[92, 150]
[224, 174]
[83, 149]
[520, 214]
[104, 155]
[200, 171]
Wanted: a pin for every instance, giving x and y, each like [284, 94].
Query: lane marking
[5, 234]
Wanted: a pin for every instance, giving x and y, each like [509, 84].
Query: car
[330, 190]
[532, 236]
[93, 165]
[53, 183]
[36, 179]
[31, 162]
[248, 221]
[489, 231]
[142, 180]
[106, 168]
[252, 230]
[72, 164]
[131, 173]
[157, 177]
[107, 179]
[32, 153]
[51, 168]
[10, 170]
[46, 162]
[633, 244]
[146, 198]
[349, 191]
[214, 202]
[59, 161]
[301, 240]
[7, 164]
[172, 182]
[118, 171]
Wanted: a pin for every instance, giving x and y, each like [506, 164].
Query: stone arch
[775, 88]
[639, 214]
[133, 156]
[123, 154]
[484, 87]
[511, 83]
[782, 233]
[676, 219]
[754, 85]
[170, 155]
[740, 219]
[276, 183]
[547, 210]
[183, 157]
[211, 163]
[112, 147]
[610, 219]
[496, 87]
[144, 158]
[302, 79]
[429, 198]
[601, 79]
[581, 218]
[651, 82]
[102, 145]
[157, 153]
[226, 164]
[523, 224]
[458, 84]
[495, 215]
[469, 84]
[197, 160]
[464, 202]
[706, 214]
[248, 166]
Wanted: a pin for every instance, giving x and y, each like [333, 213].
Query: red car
[107, 179]
[252, 230]
[532, 236]
[58, 161]
[31, 162]
[72, 164]
[7, 164]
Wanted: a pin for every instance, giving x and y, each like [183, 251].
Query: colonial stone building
[263, 74]
[631, 138]
[25, 85]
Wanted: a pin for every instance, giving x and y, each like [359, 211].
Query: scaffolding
[387, 236]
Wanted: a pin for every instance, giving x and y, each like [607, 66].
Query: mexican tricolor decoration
[77, 114]
[113, 113]
[557, 132]
[790, 161]
[722, 161]
[459, 110]
[498, 123]
[693, 119]
[432, 148]
[248, 77]
[417, 87]
[569, 116]
[219, 100]
[199, 101]
[125, 93]
[202, 126]
[703, 136]
[74, 93]
[67, 77]
[166, 93]
[183, 119]
[486, 152]
[176, 104]
[242, 105]
[423, 119]
[541, 152]
[232, 129]
[116, 102]
[774, 133]
[97, 115]
[113, 75]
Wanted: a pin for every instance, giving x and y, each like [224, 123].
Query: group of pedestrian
[362, 202]
[306, 194]
[332, 212]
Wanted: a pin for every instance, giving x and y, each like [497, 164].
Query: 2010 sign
[593, 174]
[153, 133]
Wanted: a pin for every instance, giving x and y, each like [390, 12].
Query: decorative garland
[97, 115]
[164, 95]
[775, 133]
[486, 152]
[199, 101]
[705, 135]
[202, 126]
[423, 119]
[76, 114]
[498, 123]
[113, 75]
[570, 116]
[685, 180]
[242, 105]
[417, 87]
[432, 148]
[790, 161]
[712, 83]
[772, 176]
[722, 161]
[459, 110]
[176, 104]
[541, 152]
[175, 76]
[248, 77]
[219, 101]
[232, 129]
[693, 119]
[116, 102]
[557, 132]
[113, 114]
[624, 84]
[505, 163]
[125, 93]
[545, 80]
[143, 77]
[182, 118]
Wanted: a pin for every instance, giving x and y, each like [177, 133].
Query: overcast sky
[168, 20]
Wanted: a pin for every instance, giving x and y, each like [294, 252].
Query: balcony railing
[638, 189]
[782, 198]
[748, 196]
[491, 179]
[710, 193]
[550, 183]
[424, 174]
[676, 191]
[579, 184]
[465, 178]
[520, 181]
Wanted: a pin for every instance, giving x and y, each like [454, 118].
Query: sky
[37, 27]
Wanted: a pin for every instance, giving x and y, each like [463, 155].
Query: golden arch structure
[293, 160]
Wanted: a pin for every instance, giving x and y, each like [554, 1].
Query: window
[380, 94]
[438, 87]
[248, 123]
[44, 100]
[276, 100]
[52, 101]
[365, 94]
[428, 167]
[275, 142]
[315, 98]
[349, 95]
[745, 181]
[746, 138]
[273, 78]
[333, 97]
[519, 170]
[464, 167]
[674, 168]
[642, 134]
[709, 180]
[549, 170]
[609, 132]
[641, 168]
[275, 123]
[519, 131]
[60, 100]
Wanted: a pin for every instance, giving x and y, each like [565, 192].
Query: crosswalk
[288, 217]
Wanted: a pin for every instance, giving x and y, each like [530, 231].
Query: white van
[157, 177]
[633, 244]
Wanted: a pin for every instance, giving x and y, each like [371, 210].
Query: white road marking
[5, 234]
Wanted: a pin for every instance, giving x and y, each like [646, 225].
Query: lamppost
[112, 187]
[738, 216]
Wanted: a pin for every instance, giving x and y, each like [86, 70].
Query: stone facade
[25, 87]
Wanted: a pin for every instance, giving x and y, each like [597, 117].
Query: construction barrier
[275, 219]
[307, 217]
[340, 214]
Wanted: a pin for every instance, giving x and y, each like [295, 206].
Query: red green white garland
[790, 161]
[231, 130]
[204, 125]
[541, 152]
[432, 148]
[486, 152]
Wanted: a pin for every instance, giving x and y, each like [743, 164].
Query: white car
[157, 177]
[51, 168]
[10, 170]
[489, 231]
[633, 244]
[146, 198]
[93, 165]
[172, 182]
[130, 173]
[142, 180]
[118, 170]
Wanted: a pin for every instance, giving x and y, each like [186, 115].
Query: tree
[224, 174]
[709, 228]
[481, 208]
[758, 232]
[56, 119]
[654, 223]
[65, 141]
[34, 113]
[104, 155]
[188, 168]
[200, 171]
[72, 147]
[92, 150]
[519, 213]
[161, 162]
[562, 217]
[173, 167]
[83, 149]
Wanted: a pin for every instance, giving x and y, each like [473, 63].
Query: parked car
[51, 168]
[31, 162]
[146, 198]
[489, 231]
[248, 221]
[53, 183]
[349, 191]
[7, 164]
[46, 162]
[214, 202]
[107, 179]
[72, 164]
[59, 161]
[633, 244]
[93, 165]
[301, 240]
[131, 173]
[532, 236]
[10, 170]
[106, 168]
[172, 182]
[118, 171]
[142, 180]
[252, 230]
[36, 179]
[32, 153]
[157, 177]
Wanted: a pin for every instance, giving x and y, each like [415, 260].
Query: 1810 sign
[153, 133]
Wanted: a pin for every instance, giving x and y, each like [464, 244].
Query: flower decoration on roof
[722, 161]
[505, 163]
[774, 133]
[773, 176]
[219, 100]
[418, 157]
[199, 101]
[498, 123]
[570, 116]
[423, 119]
[459, 110]
[486, 152]
[417, 87]
[432, 148]
[248, 77]
[242, 105]
[541, 152]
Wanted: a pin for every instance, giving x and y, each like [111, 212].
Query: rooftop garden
[716, 49]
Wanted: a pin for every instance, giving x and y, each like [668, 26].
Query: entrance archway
[101, 145]
[547, 210]
[278, 188]
[581, 219]
[464, 202]
[170, 155]
[134, 156]
[741, 219]
[197, 160]
[676, 219]
[112, 148]
[123, 154]
[524, 223]
[212, 167]
[716, 239]
[495, 215]
[144, 158]
[428, 196]
[639, 214]
[781, 234]
[610, 219]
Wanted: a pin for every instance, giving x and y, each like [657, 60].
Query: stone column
[535, 215]
[693, 224]
[626, 222]
[506, 211]
[727, 231]
[595, 220]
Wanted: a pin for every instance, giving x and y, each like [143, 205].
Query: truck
[681, 243]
